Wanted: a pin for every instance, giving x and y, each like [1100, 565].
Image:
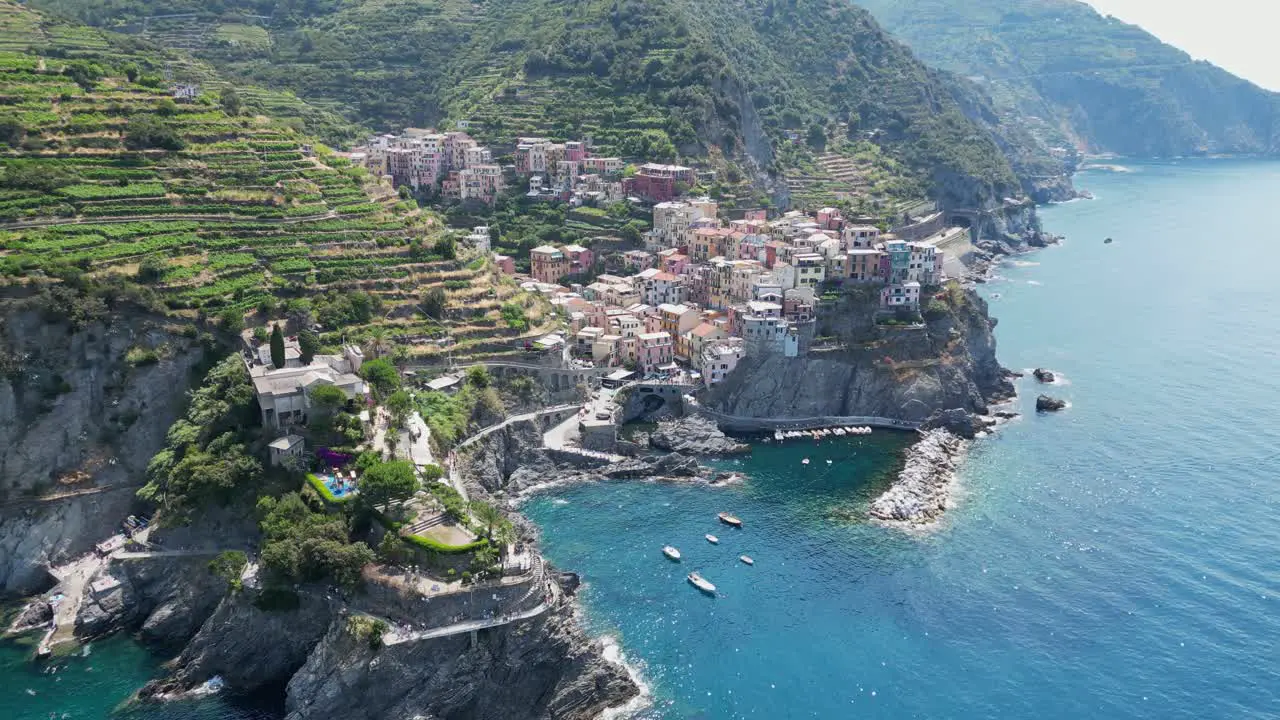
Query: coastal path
[538, 585]
[395, 638]
[743, 423]
[456, 480]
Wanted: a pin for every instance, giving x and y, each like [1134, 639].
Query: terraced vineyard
[105, 174]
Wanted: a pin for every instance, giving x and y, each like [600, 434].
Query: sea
[1118, 559]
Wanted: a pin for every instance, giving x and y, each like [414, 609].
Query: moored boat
[701, 583]
[728, 519]
[712, 539]
[747, 560]
[671, 553]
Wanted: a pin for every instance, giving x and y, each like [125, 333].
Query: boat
[671, 553]
[747, 560]
[804, 461]
[728, 519]
[701, 583]
[712, 539]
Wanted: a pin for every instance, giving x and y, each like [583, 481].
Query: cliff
[896, 372]
[82, 410]
[1076, 78]
[541, 668]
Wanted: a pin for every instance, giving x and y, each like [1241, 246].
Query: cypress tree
[277, 346]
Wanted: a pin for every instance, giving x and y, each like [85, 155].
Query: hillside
[202, 207]
[812, 91]
[1088, 80]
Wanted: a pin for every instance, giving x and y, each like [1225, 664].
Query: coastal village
[703, 288]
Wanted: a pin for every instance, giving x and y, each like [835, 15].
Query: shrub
[229, 565]
[144, 132]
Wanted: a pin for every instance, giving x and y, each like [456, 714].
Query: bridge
[743, 423]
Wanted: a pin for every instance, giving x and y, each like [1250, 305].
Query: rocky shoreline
[923, 489]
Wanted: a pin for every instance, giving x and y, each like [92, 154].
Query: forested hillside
[812, 90]
[1087, 79]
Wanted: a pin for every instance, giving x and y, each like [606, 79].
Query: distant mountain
[1092, 81]
[813, 92]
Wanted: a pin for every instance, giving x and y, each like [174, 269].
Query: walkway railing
[741, 422]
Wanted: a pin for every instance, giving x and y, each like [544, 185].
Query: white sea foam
[1034, 282]
[613, 653]
[559, 501]
[1022, 263]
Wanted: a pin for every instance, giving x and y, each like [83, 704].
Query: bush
[229, 565]
[145, 132]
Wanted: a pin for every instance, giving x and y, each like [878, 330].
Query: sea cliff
[904, 372]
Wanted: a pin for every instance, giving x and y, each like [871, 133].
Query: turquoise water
[94, 687]
[1116, 560]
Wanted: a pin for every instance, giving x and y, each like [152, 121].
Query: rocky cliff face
[82, 410]
[542, 668]
[164, 599]
[903, 373]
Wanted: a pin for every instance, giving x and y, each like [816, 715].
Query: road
[419, 449]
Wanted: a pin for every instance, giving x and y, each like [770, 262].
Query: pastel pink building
[506, 264]
[580, 259]
[654, 350]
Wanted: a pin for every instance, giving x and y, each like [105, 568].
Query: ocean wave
[1021, 263]
[1034, 282]
[613, 653]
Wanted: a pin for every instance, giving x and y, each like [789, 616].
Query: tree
[382, 375]
[308, 346]
[377, 342]
[399, 404]
[446, 247]
[433, 303]
[432, 472]
[488, 516]
[328, 398]
[146, 131]
[277, 346]
[388, 482]
[230, 100]
[152, 268]
[231, 320]
[816, 136]
[478, 376]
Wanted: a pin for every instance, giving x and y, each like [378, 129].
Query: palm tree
[488, 515]
[377, 342]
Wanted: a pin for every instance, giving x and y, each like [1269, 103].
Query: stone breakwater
[922, 491]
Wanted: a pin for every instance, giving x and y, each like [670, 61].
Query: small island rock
[1044, 403]
[1044, 376]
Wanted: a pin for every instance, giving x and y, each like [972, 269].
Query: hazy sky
[1237, 35]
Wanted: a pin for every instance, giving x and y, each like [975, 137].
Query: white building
[284, 394]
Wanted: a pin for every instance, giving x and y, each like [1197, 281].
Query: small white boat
[701, 583]
[746, 560]
[712, 539]
[804, 461]
[671, 553]
[828, 462]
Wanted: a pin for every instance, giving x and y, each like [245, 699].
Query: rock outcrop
[544, 667]
[958, 422]
[1044, 376]
[695, 435]
[923, 489]
[252, 641]
[1044, 403]
[903, 373]
[164, 599]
